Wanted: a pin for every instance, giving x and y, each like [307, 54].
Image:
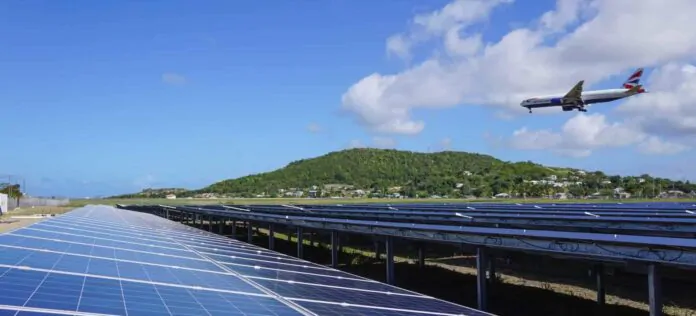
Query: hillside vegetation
[379, 172]
[153, 193]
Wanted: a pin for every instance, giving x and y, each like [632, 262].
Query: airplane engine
[557, 101]
[568, 108]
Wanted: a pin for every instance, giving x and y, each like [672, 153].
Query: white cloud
[314, 128]
[145, 181]
[355, 143]
[173, 79]
[578, 136]
[383, 142]
[377, 142]
[654, 145]
[669, 109]
[588, 39]
[399, 46]
[444, 144]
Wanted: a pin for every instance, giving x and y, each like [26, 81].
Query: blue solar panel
[105, 261]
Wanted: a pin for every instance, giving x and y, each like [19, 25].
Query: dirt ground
[8, 223]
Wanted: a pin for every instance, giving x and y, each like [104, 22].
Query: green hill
[152, 193]
[380, 171]
[367, 168]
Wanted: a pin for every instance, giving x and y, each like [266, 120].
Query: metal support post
[601, 292]
[389, 245]
[491, 271]
[421, 257]
[300, 242]
[655, 290]
[334, 249]
[481, 262]
[250, 232]
[271, 237]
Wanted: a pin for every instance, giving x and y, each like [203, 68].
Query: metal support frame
[234, 229]
[655, 290]
[481, 264]
[601, 290]
[210, 223]
[300, 242]
[607, 250]
[491, 271]
[222, 223]
[250, 232]
[271, 237]
[389, 245]
[421, 256]
[572, 245]
[528, 219]
[334, 249]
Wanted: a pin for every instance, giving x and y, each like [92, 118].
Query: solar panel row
[670, 244]
[657, 223]
[650, 206]
[636, 239]
[99, 260]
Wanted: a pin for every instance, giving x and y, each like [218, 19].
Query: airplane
[578, 99]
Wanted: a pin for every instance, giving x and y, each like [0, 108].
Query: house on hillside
[170, 196]
[620, 193]
[561, 196]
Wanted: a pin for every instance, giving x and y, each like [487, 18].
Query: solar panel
[98, 260]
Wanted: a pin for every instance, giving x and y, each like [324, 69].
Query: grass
[83, 202]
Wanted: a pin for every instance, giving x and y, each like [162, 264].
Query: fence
[32, 201]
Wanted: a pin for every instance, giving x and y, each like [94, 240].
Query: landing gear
[581, 106]
[530, 109]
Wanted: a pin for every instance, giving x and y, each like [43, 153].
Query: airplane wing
[575, 93]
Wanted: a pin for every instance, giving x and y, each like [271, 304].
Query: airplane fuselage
[588, 97]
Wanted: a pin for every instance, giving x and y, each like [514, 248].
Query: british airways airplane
[578, 99]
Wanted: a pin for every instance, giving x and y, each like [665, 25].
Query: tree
[13, 191]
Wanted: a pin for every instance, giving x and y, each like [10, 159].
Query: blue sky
[87, 111]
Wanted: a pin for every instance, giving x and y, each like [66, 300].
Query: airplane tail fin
[633, 80]
[636, 89]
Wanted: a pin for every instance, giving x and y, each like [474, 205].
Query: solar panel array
[649, 232]
[99, 260]
[649, 219]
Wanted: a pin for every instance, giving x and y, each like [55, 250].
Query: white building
[3, 203]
